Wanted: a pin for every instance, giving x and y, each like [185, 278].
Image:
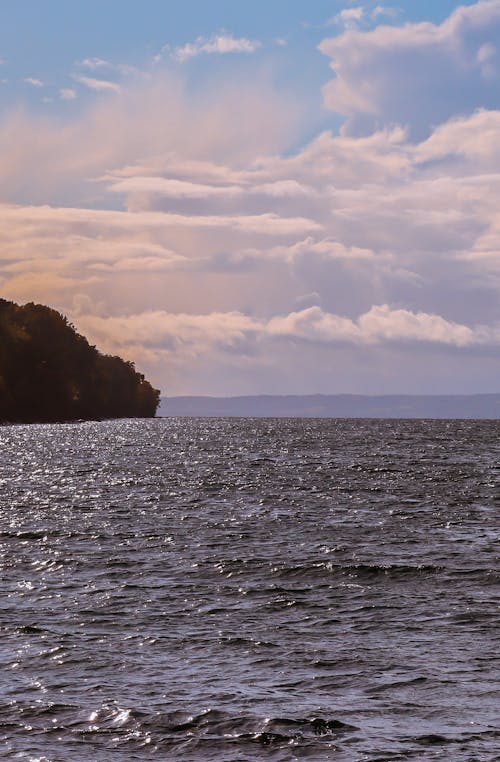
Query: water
[217, 589]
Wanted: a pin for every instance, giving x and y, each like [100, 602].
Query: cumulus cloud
[182, 337]
[418, 74]
[380, 323]
[220, 44]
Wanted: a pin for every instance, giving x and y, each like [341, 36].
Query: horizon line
[334, 394]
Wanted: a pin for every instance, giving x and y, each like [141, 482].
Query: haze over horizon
[260, 199]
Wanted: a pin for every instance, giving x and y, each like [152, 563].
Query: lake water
[230, 589]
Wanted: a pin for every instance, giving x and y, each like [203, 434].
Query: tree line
[49, 372]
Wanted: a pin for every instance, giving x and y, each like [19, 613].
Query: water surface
[238, 589]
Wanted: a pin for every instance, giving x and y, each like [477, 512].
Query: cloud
[384, 10]
[349, 18]
[380, 323]
[94, 63]
[101, 85]
[98, 64]
[358, 16]
[237, 258]
[182, 337]
[190, 351]
[358, 220]
[262, 224]
[182, 189]
[33, 82]
[417, 75]
[220, 44]
[67, 94]
[45, 158]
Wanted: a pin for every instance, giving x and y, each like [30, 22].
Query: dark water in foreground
[214, 589]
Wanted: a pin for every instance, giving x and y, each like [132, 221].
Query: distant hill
[49, 372]
[336, 406]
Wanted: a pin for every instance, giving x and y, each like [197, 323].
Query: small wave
[39, 534]
[434, 739]
[361, 570]
[111, 717]
[30, 629]
[221, 723]
[396, 685]
[438, 739]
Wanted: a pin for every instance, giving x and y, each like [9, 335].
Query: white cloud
[349, 18]
[381, 11]
[380, 323]
[221, 44]
[388, 75]
[94, 63]
[182, 189]
[67, 94]
[183, 336]
[174, 188]
[101, 85]
[100, 64]
[262, 224]
[33, 82]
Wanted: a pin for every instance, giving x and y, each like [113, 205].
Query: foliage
[49, 372]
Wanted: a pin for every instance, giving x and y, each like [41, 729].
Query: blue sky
[44, 40]
[260, 197]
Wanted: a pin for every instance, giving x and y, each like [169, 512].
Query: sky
[268, 197]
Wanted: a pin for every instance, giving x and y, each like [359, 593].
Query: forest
[49, 372]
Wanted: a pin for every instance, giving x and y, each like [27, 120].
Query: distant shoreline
[440, 406]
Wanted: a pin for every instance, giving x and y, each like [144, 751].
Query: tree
[49, 372]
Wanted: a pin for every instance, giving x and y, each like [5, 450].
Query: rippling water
[224, 589]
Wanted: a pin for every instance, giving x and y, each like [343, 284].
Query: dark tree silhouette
[49, 372]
